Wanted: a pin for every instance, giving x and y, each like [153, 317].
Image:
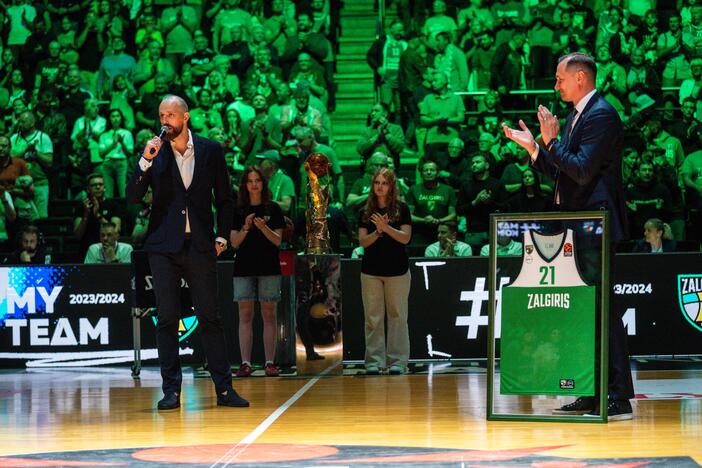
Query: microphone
[161, 133]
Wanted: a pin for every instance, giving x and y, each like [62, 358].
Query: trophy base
[319, 344]
[318, 250]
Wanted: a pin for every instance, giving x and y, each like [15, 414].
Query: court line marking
[241, 446]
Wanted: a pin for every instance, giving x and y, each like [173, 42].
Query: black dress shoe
[231, 398]
[582, 405]
[169, 401]
[617, 410]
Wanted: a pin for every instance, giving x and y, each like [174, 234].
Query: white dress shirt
[580, 107]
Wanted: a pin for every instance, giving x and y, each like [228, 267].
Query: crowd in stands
[81, 81]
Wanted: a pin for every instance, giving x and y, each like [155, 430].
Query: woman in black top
[257, 233]
[385, 228]
[529, 198]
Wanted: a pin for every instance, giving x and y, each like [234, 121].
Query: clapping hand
[483, 196]
[91, 205]
[95, 207]
[259, 222]
[87, 207]
[380, 221]
[248, 222]
[549, 124]
[522, 137]
[449, 247]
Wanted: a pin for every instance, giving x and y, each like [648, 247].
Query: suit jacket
[586, 164]
[166, 232]
[641, 246]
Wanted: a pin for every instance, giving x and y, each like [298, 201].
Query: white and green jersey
[547, 345]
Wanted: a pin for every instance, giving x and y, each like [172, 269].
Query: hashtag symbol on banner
[477, 296]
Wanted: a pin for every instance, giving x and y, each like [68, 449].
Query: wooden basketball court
[101, 417]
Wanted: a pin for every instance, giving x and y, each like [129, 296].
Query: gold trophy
[317, 168]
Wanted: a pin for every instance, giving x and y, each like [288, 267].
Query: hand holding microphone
[154, 145]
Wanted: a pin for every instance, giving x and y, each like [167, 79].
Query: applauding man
[584, 158]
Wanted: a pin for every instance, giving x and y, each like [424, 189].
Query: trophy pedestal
[319, 345]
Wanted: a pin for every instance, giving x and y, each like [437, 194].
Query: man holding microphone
[185, 174]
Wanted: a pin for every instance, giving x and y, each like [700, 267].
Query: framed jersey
[548, 322]
[547, 344]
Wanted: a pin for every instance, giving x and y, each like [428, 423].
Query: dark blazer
[210, 183]
[586, 164]
[641, 246]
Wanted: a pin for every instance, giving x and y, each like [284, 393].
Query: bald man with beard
[186, 173]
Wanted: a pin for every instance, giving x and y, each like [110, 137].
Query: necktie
[572, 122]
[556, 193]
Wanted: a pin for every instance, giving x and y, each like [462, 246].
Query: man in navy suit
[186, 174]
[585, 162]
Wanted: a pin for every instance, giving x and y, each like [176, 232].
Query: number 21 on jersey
[548, 275]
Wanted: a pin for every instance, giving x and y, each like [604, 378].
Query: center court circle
[225, 453]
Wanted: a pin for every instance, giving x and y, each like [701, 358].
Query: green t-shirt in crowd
[434, 202]
[281, 186]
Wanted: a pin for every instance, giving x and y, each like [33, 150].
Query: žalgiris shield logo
[690, 296]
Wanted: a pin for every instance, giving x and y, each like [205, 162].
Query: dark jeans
[200, 271]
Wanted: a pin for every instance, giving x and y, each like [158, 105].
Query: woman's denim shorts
[257, 288]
